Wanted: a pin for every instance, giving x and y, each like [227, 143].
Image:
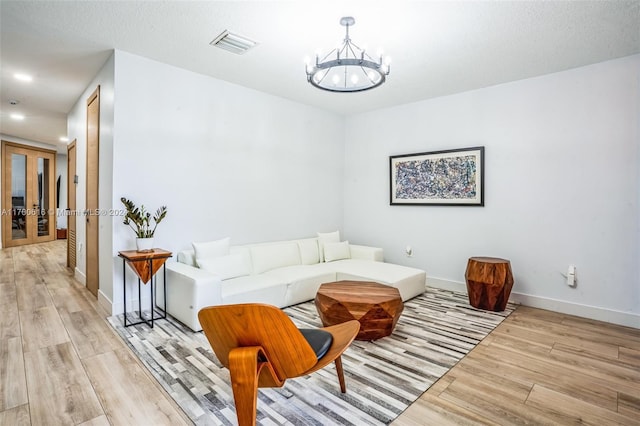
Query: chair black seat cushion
[319, 340]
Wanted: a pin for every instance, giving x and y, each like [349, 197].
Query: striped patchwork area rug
[383, 377]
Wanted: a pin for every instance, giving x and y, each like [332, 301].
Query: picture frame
[453, 177]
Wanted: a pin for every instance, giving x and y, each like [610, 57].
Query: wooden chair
[262, 347]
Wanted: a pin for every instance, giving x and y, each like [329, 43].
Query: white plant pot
[144, 244]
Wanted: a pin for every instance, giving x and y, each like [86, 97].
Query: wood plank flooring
[540, 367]
[62, 364]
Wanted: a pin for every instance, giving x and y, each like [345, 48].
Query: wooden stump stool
[489, 283]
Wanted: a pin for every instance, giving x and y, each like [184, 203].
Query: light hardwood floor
[62, 364]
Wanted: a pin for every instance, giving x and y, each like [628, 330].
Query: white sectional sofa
[282, 273]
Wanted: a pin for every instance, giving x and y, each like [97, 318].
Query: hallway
[60, 362]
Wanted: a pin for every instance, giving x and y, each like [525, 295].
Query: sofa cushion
[336, 251]
[409, 281]
[309, 251]
[266, 257]
[302, 281]
[290, 274]
[211, 249]
[326, 237]
[254, 289]
[188, 257]
[229, 266]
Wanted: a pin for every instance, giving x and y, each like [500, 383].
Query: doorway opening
[28, 194]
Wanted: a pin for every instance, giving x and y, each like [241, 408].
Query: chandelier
[347, 68]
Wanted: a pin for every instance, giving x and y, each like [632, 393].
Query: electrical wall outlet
[571, 276]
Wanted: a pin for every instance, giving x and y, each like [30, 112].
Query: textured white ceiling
[437, 48]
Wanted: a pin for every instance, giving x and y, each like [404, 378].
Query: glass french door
[28, 192]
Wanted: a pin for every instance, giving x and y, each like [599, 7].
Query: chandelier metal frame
[352, 70]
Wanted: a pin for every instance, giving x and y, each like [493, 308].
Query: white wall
[76, 129]
[561, 186]
[225, 160]
[22, 141]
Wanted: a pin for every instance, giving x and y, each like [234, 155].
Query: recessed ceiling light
[64, 139]
[22, 77]
[17, 116]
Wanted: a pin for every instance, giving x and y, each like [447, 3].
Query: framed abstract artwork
[453, 177]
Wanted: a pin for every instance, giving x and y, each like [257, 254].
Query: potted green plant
[142, 223]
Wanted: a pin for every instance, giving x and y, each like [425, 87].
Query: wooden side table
[489, 283]
[145, 265]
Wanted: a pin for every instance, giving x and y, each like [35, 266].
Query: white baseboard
[80, 277]
[132, 304]
[105, 302]
[586, 311]
[117, 308]
[447, 285]
[103, 299]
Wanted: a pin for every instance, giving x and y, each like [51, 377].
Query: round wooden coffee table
[376, 306]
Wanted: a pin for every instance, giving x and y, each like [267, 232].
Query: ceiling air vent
[233, 42]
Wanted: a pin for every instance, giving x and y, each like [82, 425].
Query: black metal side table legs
[153, 292]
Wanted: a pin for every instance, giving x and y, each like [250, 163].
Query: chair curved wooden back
[232, 326]
[262, 347]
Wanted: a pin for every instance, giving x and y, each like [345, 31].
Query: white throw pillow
[211, 249]
[266, 257]
[327, 237]
[309, 251]
[229, 266]
[336, 251]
